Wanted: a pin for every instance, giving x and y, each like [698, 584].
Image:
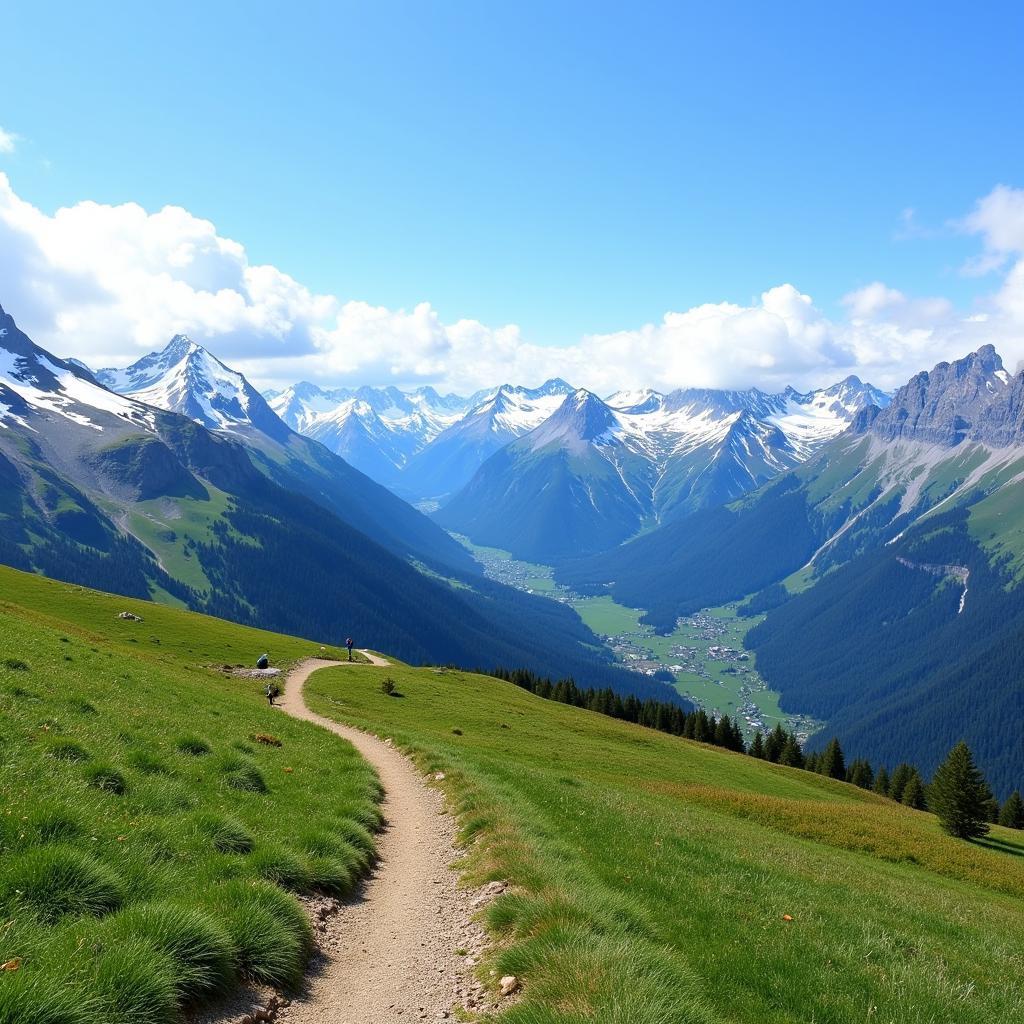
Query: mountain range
[879, 539]
[213, 502]
[552, 472]
[596, 472]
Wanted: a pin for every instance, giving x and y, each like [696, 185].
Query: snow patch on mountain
[48, 387]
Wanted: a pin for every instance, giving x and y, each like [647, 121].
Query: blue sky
[567, 168]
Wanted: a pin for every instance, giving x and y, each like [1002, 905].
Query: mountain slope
[569, 484]
[641, 865]
[879, 536]
[588, 819]
[186, 379]
[145, 788]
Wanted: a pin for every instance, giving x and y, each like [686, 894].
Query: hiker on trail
[271, 692]
[348, 644]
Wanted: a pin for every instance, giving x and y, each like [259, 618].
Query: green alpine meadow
[160, 821]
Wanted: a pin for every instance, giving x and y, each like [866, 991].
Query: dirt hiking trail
[391, 952]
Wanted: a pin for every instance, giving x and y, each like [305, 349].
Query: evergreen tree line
[958, 793]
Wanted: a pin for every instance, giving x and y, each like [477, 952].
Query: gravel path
[403, 947]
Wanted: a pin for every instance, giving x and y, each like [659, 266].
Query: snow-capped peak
[186, 379]
[636, 401]
[582, 416]
[34, 383]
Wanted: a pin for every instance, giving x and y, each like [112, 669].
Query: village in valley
[704, 656]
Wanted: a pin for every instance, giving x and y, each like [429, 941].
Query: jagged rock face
[971, 399]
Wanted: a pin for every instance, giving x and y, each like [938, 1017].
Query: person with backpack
[348, 644]
[271, 691]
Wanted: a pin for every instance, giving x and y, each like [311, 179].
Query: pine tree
[812, 762]
[958, 794]
[832, 762]
[737, 738]
[903, 774]
[860, 774]
[723, 732]
[703, 730]
[757, 747]
[992, 809]
[791, 754]
[775, 742]
[913, 794]
[882, 783]
[1012, 814]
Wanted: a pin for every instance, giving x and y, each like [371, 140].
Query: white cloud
[8, 141]
[999, 219]
[108, 283]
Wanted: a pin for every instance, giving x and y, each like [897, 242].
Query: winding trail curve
[392, 950]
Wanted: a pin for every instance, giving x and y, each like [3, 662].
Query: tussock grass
[282, 866]
[134, 883]
[202, 951]
[228, 835]
[270, 932]
[67, 750]
[107, 778]
[651, 875]
[148, 763]
[242, 774]
[133, 983]
[52, 881]
[52, 824]
[196, 746]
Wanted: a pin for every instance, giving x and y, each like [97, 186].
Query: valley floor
[705, 653]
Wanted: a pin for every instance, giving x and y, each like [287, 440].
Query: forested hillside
[880, 649]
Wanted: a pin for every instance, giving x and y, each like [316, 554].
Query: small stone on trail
[508, 985]
[439, 776]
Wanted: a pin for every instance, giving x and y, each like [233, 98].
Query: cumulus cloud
[999, 219]
[108, 283]
[8, 141]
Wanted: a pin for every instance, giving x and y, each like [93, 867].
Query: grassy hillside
[659, 880]
[157, 814]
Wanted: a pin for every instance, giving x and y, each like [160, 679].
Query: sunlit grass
[157, 814]
[653, 877]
